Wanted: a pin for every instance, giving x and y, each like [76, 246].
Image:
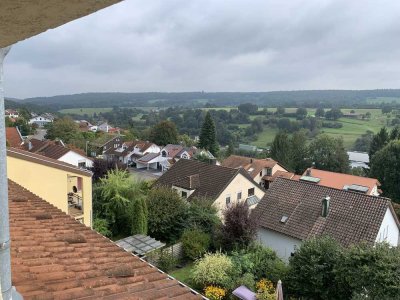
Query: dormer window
[164, 153]
[269, 172]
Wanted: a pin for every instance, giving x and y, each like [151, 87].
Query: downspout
[5, 263]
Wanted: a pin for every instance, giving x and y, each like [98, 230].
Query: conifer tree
[208, 137]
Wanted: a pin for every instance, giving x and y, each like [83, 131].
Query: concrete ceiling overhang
[21, 19]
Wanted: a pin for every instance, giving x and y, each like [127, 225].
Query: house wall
[50, 183]
[374, 191]
[239, 183]
[264, 172]
[283, 245]
[389, 231]
[74, 158]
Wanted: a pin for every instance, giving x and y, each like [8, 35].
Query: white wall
[74, 158]
[388, 232]
[283, 245]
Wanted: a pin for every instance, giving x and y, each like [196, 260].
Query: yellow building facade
[65, 186]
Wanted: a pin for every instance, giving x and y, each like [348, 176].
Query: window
[115, 146]
[164, 154]
[250, 192]
[261, 173]
[228, 200]
[269, 172]
[184, 194]
[82, 164]
[239, 195]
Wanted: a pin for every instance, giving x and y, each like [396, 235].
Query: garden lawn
[183, 274]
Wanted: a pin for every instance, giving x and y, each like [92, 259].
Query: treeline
[310, 98]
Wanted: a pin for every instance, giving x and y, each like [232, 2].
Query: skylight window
[310, 179]
[284, 219]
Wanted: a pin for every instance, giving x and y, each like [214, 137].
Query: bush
[195, 243]
[163, 259]
[101, 226]
[214, 292]
[167, 213]
[213, 269]
[202, 215]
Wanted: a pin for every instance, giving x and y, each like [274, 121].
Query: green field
[351, 130]
[379, 100]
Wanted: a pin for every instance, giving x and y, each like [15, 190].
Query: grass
[89, 110]
[184, 274]
[379, 100]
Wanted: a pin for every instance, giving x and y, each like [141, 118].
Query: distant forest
[312, 98]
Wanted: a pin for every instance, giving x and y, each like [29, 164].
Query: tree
[320, 112]
[298, 152]
[372, 271]
[379, 141]
[311, 268]
[230, 150]
[64, 129]
[386, 109]
[186, 140]
[164, 133]
[333, 114]
[395, 133]
[363, 143]
[208, 137]
[238, 229]
[248, 108]
[203, 215]
[167, 214]
[301, 113]
[280, 110]
[385, 166]
[195, 243]
[328, 154]
[280, 148]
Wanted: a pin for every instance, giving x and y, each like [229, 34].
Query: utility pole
[5, 261]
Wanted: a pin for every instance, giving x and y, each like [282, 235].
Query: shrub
[202, 214]
[167, 213]
[195, 243]
[212, 269]
[163, 259]
[265, 290]
[239, 229]
[214, 292]
[101, 226]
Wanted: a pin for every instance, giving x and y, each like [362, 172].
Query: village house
[57, 150]
[369, 186]
[261, 170]
[41, 120]
[55, 257]
[67, 187]
[104, 143]
[14, 137]
[224, 186]
[11, 113]
[293, 211]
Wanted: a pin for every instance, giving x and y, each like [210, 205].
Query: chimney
[325, 206]
[308, 172]
[30, 146]
[251, 160]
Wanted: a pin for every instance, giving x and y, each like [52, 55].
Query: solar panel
[310, 179]
[357, 188]
[139, 244]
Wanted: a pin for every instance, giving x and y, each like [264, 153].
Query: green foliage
[208, 138]
[165, 260]
[164, 133]
[363, 143]
[320, 112]
[280, 148]
[329, 154]
[167, 214]
[385, 166]
[213, 269]
[333, 114]
[311, 268]
[248, 108]
[372, 271]
[121, 201]
[65, 129]
[101, 226]
[298, 152]
[379, 141]
[202, 214]
[195, 243]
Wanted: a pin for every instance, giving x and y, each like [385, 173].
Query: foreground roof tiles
[352, 218]
[13, 137]
[55, 257]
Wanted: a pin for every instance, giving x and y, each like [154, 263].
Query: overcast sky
[213, 45]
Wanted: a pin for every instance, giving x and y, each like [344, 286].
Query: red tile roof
[339, 180]
[353, 217]
[55, 257]
[13, 137]
[248, 163]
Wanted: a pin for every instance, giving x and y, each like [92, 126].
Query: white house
[11, 113]
[104, 127]
[293, 211]
[40, 121]
[225, 186]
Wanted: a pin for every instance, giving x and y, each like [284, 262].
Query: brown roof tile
[247, 163]
[60, 258]
[13, 137]
[353, 217]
